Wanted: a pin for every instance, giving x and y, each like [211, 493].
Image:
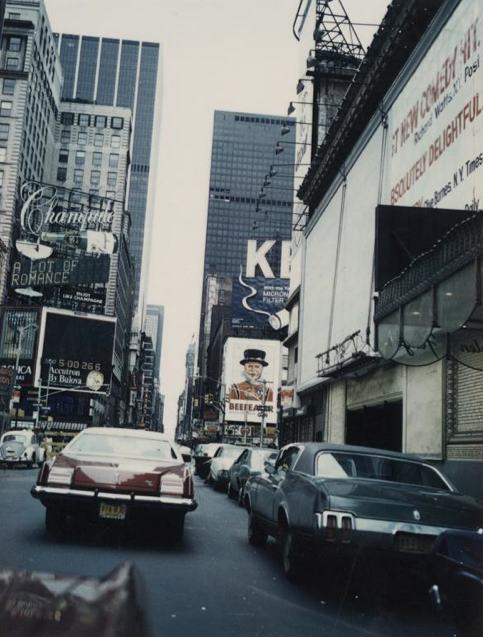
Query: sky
[236, 55]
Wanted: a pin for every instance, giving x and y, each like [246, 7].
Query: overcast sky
[216, 55]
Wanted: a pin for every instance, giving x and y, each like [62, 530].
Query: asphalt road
[214, 584]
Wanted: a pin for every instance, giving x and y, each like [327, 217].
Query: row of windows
[94, 180]
[80, 158]
[82, 138]
[8, 86]
[98, 121]
[264, 120]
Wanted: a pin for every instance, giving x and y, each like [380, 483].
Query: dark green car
[340, 500]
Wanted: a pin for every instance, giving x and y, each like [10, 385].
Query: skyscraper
[121, 73]
[243, 154]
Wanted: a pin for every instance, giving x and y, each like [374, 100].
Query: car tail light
[331, 527]
[172, 484]
[346, 526]
[60, 476]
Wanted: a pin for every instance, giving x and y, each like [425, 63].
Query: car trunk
[122, 475]
[405, 503]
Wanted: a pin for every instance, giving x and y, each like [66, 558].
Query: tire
[291, 558]
[256, 537]
[231, 493]
[54, 522]
[241, 496]
[176, 527]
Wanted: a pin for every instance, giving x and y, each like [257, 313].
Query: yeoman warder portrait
[252, 386]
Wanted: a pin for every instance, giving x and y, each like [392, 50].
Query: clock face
[95, 380]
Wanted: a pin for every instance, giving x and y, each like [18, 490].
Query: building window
[67, 119]
[2, 173]
[80, 157]
[8, 87]
[61, 173]
[101, 121]
[3, 153]
[113, 160]
[111, 194]
[4, 128]
[96, 159]
[12, 62]
[117, 122]
[116, 141]
[65, 136]
[14, 43]
[5, 107]
[82, 138]
[99, 139]
[84, 119]
[111, 178]
[95, 177]
[63, 156]
[78, 176]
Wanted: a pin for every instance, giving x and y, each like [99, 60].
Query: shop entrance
[376, 426]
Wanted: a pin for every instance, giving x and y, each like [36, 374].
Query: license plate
[112, 511]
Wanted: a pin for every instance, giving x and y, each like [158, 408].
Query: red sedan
[123, 475]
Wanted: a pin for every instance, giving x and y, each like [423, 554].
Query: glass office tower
[120, 73]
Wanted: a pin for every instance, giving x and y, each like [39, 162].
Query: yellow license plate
[112, 511]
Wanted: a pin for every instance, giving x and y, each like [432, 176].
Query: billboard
[262, 289]
[258, 302]
[251, 379]
[64, 237]
[75, 351]
[18, 336]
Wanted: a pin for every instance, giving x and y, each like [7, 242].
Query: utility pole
[262, 421]
[21, 332]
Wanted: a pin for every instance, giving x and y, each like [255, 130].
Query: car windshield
[354, 465]
[261, 457]
[231, 452]
[121, 447]
[14, 438]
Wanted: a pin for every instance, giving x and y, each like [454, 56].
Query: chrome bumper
[46, 493]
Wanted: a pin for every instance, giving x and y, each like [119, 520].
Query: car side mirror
[269, 468]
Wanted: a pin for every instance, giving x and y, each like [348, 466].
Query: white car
[221, 464]
[21, 446]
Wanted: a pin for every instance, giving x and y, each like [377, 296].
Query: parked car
[120, 475]
[457, 572]
[340, 500]
[249, 464]
[221, 465]
[21, 446]
[203, 455]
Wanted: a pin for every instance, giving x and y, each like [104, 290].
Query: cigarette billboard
[75, 351]
[251, 378]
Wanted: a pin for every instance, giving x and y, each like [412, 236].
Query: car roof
[311, 448]
[124, 431]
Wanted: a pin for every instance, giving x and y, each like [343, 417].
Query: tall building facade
[121, 73]
[153, 327]
[246, 147]
[31, 80]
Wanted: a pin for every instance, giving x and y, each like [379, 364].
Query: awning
[433, 309]
[58, 425]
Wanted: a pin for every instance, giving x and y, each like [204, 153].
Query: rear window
[14, 438]
[353, 465]
[121, 447]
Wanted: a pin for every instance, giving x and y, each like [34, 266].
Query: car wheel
[256, 536]
[30, 462]
[176, 527]
[291, 559]
[54, 521]
[231, 493]
[241, 496]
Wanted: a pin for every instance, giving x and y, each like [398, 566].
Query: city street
[214, 584]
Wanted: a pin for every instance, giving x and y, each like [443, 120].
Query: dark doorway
[377, 426]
